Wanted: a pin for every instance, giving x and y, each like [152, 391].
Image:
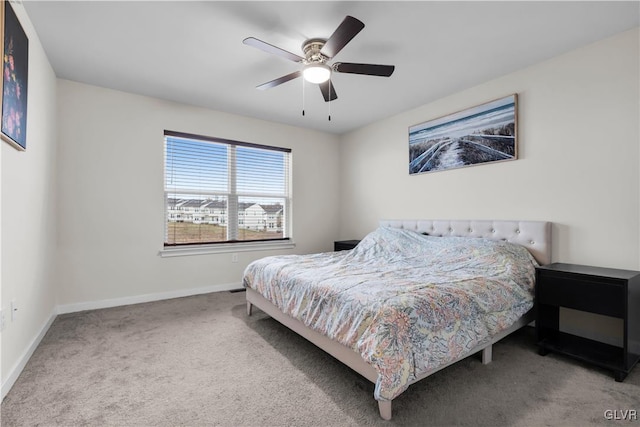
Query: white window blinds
[223, 191]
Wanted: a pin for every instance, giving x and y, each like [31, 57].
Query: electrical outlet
[14, 310]
[234, 257]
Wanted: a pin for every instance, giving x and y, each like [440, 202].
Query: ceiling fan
[317, 54]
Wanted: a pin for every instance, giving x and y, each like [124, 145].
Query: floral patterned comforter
[407, 303]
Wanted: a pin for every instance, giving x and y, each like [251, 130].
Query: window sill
[225, 248]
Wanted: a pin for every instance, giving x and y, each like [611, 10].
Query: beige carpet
[201, 361]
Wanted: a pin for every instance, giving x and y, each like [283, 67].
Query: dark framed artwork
[15, 73]
[482, 134]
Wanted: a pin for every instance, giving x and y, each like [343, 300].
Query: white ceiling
[192, 52]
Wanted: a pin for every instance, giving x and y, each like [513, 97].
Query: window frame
[232, 196]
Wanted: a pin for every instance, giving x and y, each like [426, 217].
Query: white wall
[578, 159]
[29, 217]
[110, 205]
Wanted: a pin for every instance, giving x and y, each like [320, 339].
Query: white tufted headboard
[534, 235]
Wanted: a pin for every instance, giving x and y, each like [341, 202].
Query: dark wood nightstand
[606, 291]
[344, 245]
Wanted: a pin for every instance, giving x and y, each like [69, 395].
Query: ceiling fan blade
[368, 69]
[328, 91]
[279, 81]
[269, 48]
[347, 30]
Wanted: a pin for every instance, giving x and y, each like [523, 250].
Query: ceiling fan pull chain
[302, 97]
[329, 102]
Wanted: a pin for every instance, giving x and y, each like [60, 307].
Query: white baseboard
[138, 299]
[15, 372]
[93, 305]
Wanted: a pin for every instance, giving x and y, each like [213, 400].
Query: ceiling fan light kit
[316, 73]
[317, 53]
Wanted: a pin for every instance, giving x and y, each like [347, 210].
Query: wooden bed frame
[534, 235]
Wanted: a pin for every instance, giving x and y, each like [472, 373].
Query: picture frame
[486, 133]
[15, 74]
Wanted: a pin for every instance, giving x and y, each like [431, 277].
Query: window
[222, 191]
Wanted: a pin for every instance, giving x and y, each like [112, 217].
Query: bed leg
[385, 409]
[249, 307]
[487, 355]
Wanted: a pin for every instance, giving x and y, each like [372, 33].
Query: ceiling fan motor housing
[311, 49]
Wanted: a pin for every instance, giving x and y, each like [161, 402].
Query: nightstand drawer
[583, 294]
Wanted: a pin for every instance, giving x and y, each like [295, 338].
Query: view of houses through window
[196, 220]
[224, 191]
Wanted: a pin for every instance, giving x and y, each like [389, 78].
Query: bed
[411, 299]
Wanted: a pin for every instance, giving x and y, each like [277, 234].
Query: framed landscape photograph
[482, 134]
[15, 73]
